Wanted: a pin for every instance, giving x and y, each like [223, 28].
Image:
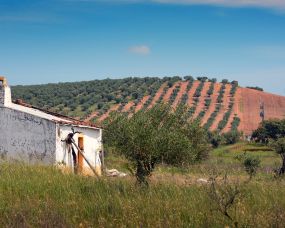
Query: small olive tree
[153, 134]
[224, 194]
[278, 146]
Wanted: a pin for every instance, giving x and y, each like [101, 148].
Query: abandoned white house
[30, 132]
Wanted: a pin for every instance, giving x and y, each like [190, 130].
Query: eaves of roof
[66, 120]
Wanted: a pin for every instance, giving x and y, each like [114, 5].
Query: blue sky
[68, 40]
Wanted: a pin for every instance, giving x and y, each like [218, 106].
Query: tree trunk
[282, 170]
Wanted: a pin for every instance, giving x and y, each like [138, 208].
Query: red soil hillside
[107, 113]
[274, 106]
[140, 105]
[246, 105]
[213, 104]
[225, 104]
[180, 93]
[191, 92]
[201, 104]
[235, 111]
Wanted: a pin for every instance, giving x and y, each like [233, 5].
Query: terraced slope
[246, 105]
[85, 100]
[181, 92]
[212, 107]
[224, 109]
[190, 101]
[201, 103]
[235, 112]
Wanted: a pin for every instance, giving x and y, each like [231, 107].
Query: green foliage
[197, 94]
[233, 89]
[212, 117]
[224, 121]
[100, 105]
[199, 89]
[250, 164]
[231, 137]
[219, 100]
[154, 133]
[41, 196]
[210, 91]
[202, 79]
[191, 110]
[208, 102]
[214, 138]
[235, 123]
[189, 86]
[225, 81]
[188, 78]
[278, 145]
[200, 115]
[173, 80]
[213, 80]
[106, 107]
[100, 112]
[255, 87]
[270, 129]
[196, 100]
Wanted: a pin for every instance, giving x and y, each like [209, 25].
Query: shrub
[235, 123]
[100, 105]
[256, 88]
[208, 102]
[197, 94]
[196, 100]
[232, 137]
[188, 78]
[202, 79]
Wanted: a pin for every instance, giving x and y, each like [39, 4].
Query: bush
[208, 102]
[196, 100]
[222, 124]
[235, 123]
[256, 88]
[202, 79]
[214, 138]
[100, 112]
[106, 107]
[197, 94]
[232, 137]
[100, 105]
[188, 78]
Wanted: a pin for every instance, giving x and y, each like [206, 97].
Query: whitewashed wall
[26, 136]
[5, 96]
[92, 144]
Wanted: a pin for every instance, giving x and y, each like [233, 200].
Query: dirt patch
[273, 105]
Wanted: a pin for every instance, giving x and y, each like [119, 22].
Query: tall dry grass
[41, 196]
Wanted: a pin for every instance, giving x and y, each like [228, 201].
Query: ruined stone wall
[26, 136]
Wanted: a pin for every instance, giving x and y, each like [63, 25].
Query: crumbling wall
[25, 136]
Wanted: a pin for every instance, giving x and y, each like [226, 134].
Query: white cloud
[141, 50]
[230, 3]
[276, 4]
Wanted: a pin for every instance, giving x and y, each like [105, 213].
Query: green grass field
[41, 196]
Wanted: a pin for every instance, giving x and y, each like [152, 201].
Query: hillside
[223, 106]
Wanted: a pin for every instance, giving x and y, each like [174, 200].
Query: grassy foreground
[37, 196]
